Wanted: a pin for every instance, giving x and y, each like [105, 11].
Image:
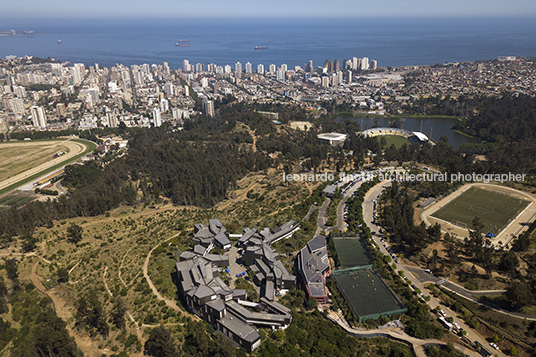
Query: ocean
[392, 42]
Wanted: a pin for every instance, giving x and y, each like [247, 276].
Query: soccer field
[494, 209]
[367, 294]
[352, 252]
[397, 141]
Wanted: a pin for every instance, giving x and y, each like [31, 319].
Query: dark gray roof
[217, 304]
[203, 291]
[255, 317]
[313, 264]
[269, 290]
[215, 226]
[204, 233]
[255, 241]
[265, 233]
[262, 266]
[260, 276]
[240, 292]
[217, 282]
[279, 266]
[248, 233]
[199, 226]
[239, 328]
[199, 249]
[275, 306]
[280, 232]
[217, 259]
[318, 242]
[268, 253]
[329, 190]
[222, 239]
[187, 256]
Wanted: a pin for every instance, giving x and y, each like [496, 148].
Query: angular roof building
[213, 234]
[207, 295]
[313, 265]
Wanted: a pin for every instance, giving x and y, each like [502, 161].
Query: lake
[434, 128]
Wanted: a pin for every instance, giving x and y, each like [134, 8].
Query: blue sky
[267, 9]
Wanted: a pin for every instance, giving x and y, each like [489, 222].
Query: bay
[392, 42]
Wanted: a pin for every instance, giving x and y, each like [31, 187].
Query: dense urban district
[233, 211]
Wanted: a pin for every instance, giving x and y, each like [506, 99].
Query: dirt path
[254, 146]
[252, 133]
[170, 303]
[85, 344]
[225, 204]
[121, 267]
[31, 254]
[130, 317]
[309, 188]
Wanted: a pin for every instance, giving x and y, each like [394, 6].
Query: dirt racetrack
[74, 147]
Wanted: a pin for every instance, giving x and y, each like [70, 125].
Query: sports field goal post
[461, 224]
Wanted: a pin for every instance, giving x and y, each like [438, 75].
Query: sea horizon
[294, 41]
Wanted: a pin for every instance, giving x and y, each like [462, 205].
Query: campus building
[215, 234]
[208, 296]
[264, 261]
[313, 266]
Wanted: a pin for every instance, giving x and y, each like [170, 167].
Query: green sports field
[14, 200]
[397, 141]
[368, 295]
[352, 252]
[494, 209]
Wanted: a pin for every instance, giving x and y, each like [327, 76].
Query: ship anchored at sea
[183, 43]
[261, 47]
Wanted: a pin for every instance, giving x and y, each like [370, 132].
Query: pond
[434, 128]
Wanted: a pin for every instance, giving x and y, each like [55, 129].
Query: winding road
[368, 209]
[417, 276]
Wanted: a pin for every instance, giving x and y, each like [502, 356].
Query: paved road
[368, 208]
[427, 278]
[321, 220]
[311, 210]
[417, 344]
[399, 336]
[341, 224]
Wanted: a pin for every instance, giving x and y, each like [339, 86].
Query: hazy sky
[259, 9]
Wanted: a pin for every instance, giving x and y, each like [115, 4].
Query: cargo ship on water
[183, 43]
[261, 47]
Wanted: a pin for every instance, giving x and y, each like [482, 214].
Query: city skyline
[274, 9]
